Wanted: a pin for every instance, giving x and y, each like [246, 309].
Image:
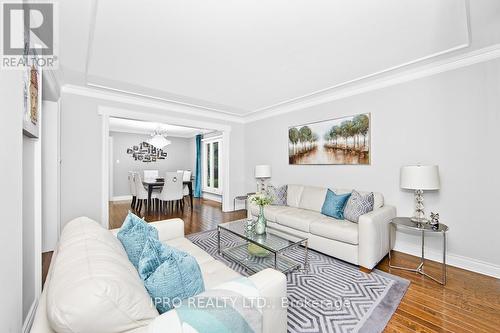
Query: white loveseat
[92, 286]
[364, 243]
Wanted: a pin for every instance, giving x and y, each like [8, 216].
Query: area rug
[333, 296]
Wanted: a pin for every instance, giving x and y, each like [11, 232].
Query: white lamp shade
[262, 171]
[420, 177]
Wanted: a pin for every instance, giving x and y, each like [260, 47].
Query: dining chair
[142, 193]
[132, 189]
[186, 178]
[172, 191]
[151, 174]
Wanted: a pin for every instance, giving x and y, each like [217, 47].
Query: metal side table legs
[422, 228]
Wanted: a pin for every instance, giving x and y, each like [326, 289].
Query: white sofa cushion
[312, 198]
[294, 192]
[297, 218]
[94, 287]
[342, 231]
[270, 212]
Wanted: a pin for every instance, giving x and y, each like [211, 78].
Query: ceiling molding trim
[146, 133]
[150, 102]
[452, 63]
[222, 114]
[162, 118]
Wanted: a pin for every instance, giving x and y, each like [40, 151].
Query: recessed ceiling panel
[249, 55]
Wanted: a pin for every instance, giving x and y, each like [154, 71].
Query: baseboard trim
[212, 196]
[470, 264]
[121, 198]
[28, 322]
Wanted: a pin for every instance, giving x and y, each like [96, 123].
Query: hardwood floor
[205, 215]
[469, 302]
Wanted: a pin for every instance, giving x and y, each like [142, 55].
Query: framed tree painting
[343, 140]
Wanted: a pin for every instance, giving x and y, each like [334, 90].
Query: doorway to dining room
[155, 169]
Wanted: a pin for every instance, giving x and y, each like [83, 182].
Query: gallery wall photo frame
[344, 140]
[32, 103]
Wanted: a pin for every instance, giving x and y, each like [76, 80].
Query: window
[211, 165]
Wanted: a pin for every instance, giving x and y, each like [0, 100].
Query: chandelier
[158, 139]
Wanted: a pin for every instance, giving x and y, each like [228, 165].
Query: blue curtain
[197, 173]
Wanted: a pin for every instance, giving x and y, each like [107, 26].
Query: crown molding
[115, 95]
[148, 133]
[459, 61]
[441, 66]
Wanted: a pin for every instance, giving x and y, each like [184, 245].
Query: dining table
[151, 184]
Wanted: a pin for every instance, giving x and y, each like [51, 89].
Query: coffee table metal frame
[280, 262]
[423, 228]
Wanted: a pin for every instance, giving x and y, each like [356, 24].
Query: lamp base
[419, 219]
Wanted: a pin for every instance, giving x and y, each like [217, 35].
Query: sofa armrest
[271, 285]
[374, 235]
[167, 229]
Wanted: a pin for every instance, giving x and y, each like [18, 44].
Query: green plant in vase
[260, 200]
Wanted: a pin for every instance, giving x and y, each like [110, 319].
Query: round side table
[423, 228]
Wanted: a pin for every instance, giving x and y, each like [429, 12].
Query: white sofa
[364, 243]
[92, 286]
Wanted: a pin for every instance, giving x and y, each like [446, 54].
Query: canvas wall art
[32, 100]
[343, 140]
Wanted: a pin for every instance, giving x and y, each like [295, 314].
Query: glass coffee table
[258, 252]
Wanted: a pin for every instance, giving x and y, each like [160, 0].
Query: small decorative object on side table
[408, 224]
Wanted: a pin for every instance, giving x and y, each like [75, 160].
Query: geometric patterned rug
[333, 296]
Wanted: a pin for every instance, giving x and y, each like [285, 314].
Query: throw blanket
[230, 307]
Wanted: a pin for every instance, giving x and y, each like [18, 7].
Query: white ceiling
[145, 127]
[240, 57]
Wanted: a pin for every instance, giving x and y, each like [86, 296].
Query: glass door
[211, 166]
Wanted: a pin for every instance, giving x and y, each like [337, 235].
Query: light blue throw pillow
[334, 204]
[169, 275]
[133, 235]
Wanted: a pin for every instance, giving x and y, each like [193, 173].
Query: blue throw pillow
[133, 235]
[334, 204]
[169, 275]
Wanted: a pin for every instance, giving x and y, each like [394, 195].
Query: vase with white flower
[261, 200]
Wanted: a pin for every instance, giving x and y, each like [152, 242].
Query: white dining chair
[131, 187]
[172, 191]
[151, 174]
[142, 193]
[186, 177]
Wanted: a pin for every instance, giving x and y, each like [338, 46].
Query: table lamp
[420, 178]
[262, 172]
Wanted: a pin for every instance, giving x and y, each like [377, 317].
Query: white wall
[179, 158]
[29, 212]
[50, 175]
[81, 153]
[11, 97]
[450, 119]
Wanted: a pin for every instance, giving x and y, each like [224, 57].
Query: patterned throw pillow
[133, 235]
[358, 205]
[169, 274]
[278, 194]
